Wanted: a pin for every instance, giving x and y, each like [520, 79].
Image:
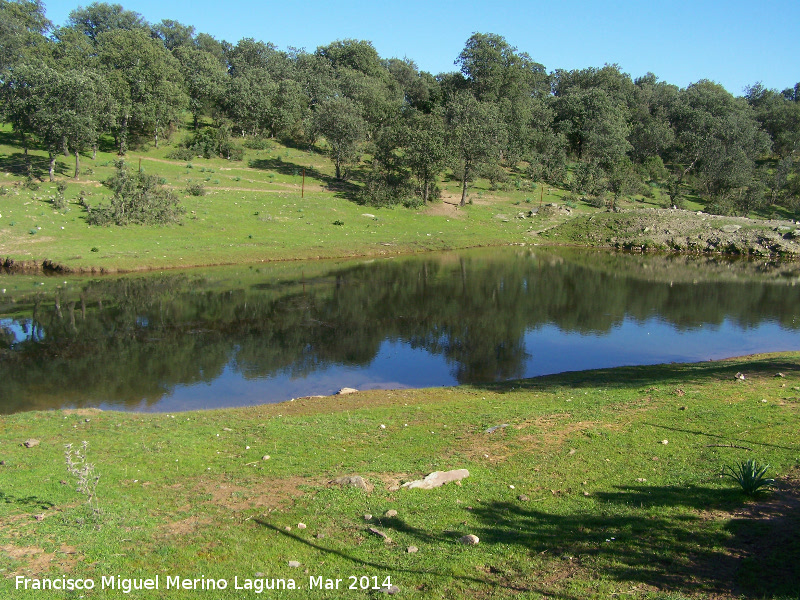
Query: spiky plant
[749, 475]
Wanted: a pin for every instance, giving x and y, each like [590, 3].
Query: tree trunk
[77, 163]
[464, 185]
[27, 156]
[156, 134]
[94, 151]
[338, 168]
[123, 136]
[425, 192]
[52, 170]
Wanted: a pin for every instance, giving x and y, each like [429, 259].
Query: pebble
[412, 549]
[391, 590]
[301, 525]
[367, 517]
[391, 513]
[30, 443]
[470, 540]
[265, 457]
[665, 442]
[522, 498]
[294, 564]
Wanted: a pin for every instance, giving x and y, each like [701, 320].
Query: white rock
[470, 540]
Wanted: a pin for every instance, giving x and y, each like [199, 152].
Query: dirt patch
[446, 208]
[35, 561]
[271, 494]
[185, 526]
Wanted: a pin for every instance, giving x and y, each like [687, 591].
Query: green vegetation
[601, 483]
[749, 475]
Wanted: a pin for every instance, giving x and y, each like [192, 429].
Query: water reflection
[250, 335]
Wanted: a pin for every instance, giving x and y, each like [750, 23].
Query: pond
[266, 333]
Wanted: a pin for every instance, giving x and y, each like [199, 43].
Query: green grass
[252, 211]
[607, 508]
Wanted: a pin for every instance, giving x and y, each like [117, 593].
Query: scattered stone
[522, 498]
[2, 463]
[265, 457]
[227, 429]
[739, 376]
[437, 479]
[301, 525]
[287, 528]
[684, 408]
[346, 390]
[367, 517]
[412, 549]
[780, 375]
[86, 420]
[354, 481]
[320, 536]
[665, 442]
[30, 443]
[470, 540]
[259, 574]
[511, 487]
[391, 590]
[390, 513]
[380, 534]
[641, 479]
[294, 564]
[731, 228]
[572, 451]
[585, 493]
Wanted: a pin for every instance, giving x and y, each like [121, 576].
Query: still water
[250, 335]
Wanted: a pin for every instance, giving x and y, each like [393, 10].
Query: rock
[730, 228]
[412, 549]
[780, 375]
[522, 498]
[367, 517]
[294, 564]
[227, 429]
[572, 451]
[301, 525]
[496, 427]
[437, 479]
[739, 376]
[470, 540]
[320, 536]
[390, 513]
[380, 534]
[641, 479]
[391, 590]
[354, 481]
[30, 443]
[2, 463]
[368, 215]
[665, 442]
[265, 457]
[346, 390]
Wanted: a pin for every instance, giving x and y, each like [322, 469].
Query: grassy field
[591, 485]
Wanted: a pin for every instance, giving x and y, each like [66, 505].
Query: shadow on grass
[40, 165]
[685, 553]
[342, 189]
[386, 568]
[29, 501]
[655, 375]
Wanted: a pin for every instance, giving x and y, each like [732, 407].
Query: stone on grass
[380, 534]
[294, 564]
[412, 549]
[30, 443]
[437, 479]
[470, 540]
[353, 481]
[346, 390]
[391, 590]
[301, 525]
[390, 513]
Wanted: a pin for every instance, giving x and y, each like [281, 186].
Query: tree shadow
[342, 189]
[16, 165]
[654, 375]
[684, 553]
[29, 501]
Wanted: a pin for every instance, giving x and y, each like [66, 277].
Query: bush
[195, 189]
[138, 198]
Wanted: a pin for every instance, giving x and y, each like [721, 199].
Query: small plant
[196, 189]
[338, 222]
[95, 249]
[83, 471]
[749, 475]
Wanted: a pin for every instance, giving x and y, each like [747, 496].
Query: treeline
[502, 116]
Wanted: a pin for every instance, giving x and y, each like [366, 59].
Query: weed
[83, 471]
[338, 222]
[749, 475]
[196, 189]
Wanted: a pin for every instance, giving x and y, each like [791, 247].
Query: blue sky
[732, 42]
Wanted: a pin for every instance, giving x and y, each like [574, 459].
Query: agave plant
[749, 475]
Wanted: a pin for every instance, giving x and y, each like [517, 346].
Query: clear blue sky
[732, 42]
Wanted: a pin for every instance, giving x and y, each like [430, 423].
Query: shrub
[749, 475]
[138, 198]
[196, 189]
